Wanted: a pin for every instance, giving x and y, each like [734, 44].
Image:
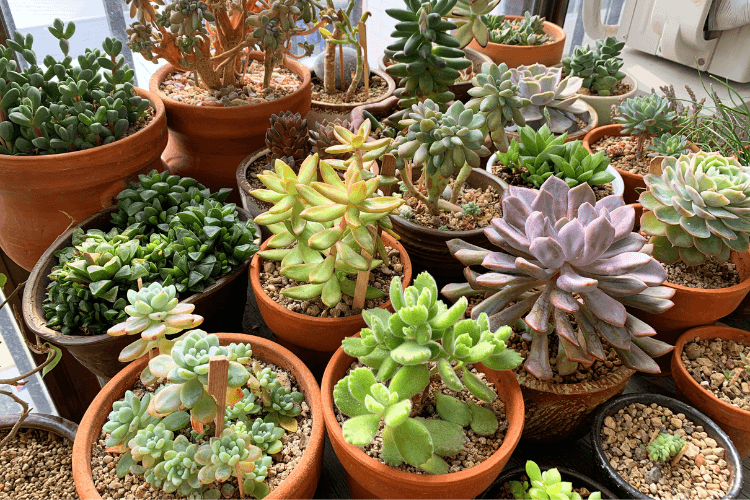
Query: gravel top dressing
[717, 365]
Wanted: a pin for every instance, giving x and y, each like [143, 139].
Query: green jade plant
[599, 68]
[448, 145]
[665, 446]
[526, 31]
[58, 107]
[404, 349]
[561, 252]
[696, 209]
[645, 117]
[546, 485]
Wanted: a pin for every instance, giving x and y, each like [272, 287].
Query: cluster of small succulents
[149, 431]
[545, 485]
[599, 67]
[56, 107]
[168, 231]
[573, 255]
[668, 145]
[645, 117]
[665, 446]
[427, 57]
[526, 31]
[696, 209]
[398, 349]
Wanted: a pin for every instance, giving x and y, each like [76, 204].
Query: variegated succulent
[562, 254]
[697, 209]
[548, 90]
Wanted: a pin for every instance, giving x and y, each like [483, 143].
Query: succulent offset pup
[561, 252]
[526, 31]
[668, 145]
[599, 68]
[287, 138]
[696, 209]
[545, 485]
[399, 349]
[665, 446]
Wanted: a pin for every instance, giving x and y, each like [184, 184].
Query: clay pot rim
[345, 107]
[397, 220]
[277, 308]
[53, 424]
[709, 426]
[742, 285]
[510, 441]
[627, 79]
[241, 173]
[78, 340]
[707, 333]
[550, 28]
[511, 474]
[303, 377]
[611, 379]
[232, 112]
[131, 141]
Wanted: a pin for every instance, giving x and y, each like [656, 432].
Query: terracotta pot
[517, 473]
[368, 478]
[732, 420]
[39, 193]
[254, 206]
[603, 104]
[618, 484]
[591, 119]
[301, 483]
[617, 185]
[548, 54]
[557, 412]
[427, 247]
[320, 110]
[207, 143]
[634, 184]
[99, 353]
[313, 339]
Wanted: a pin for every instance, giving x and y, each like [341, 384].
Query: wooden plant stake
[341, 63]
[679, 454]
[388, 169]
[363, 277]
[363, 43]
[218, 370]
[655, 165]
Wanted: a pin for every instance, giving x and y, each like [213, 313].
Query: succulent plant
[576, 165]
[324, 136]
[186, 370]
[664, 446]
[468, 18]
[288, 136]
[532, 153]
[356, 148]
[65, 108]
[645, 117]
[526, 31]
[446, 144]
[178, 472]
[495, 96]
[668, 145]
[544, 485]
[471, 208]
[154, 312]
[696, 208]
[266, 436]
[226, 456]
[426, 55]
[548, 91]
[127, 418]
[73, 308]
[573, 255]
[150, 444]
[243, 408]
[400, 347]
[599, 68]
[254, 484]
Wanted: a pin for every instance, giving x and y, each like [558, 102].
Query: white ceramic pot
[603, 104]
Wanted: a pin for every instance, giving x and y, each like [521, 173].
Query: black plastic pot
[618, 484]
[578, 480]
[56, 425]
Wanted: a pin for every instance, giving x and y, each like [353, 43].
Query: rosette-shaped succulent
[548, 90]
[526, 31]
[128, 417]
[254, 484]
[324, 136]
[266, 436]
[225, 456]
[154, 312]
[644, 117]
[150, 444]
[495, 97]
[186, 370]
[285, 402]
[600, 68]
[576, 165]
[241, 353]
[668, 145]
[561, 253]
[354, 146]
[287, 137]
[179, 470]
[242, 408]
[468, 17]
[73, 308]
[697, 208]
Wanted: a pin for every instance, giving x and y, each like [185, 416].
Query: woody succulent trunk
[211, 38]
[562, 254]
[343, 33]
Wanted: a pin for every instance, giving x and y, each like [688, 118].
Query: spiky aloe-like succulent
[495, 96]
[287, 137]
[561, 252]
[549, 91]
[128, 417]
[577, 165]
[545, 485]
[668, 145]
[154, 312]
[427, 56]
[526, 31]
[599, 68]
[645, 117]
[664, 446]
[446, 144]
[401, 347]
[323, 137]
[186, 371]
[468, 17]
[697, 208]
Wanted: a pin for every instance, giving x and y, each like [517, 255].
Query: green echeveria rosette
[128, 417]
[226, 456]
[646, 115]
[179, 470]
[668, 145]
[698, 208]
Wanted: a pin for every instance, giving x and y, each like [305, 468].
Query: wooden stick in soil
[240, 482]
[679, 454]
[388, 169]
[218, 369]
[363, 44]
[341, 64]
[363, 277]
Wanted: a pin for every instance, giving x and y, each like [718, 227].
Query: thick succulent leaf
[638, 360]
[345, 400]
[477, 387]
[410, 380]
[588, 332]
[538, 317]
[452, 410]
[413, 442]
[652, 347]
[361, 430]
[605, 307]
[570, 281]
[510, 315]
[447, 437]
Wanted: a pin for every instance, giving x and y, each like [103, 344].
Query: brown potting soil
[718, 367]
[378, 88]
[514, 177]
[709, 275]
[487, 199]
[621, 151]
